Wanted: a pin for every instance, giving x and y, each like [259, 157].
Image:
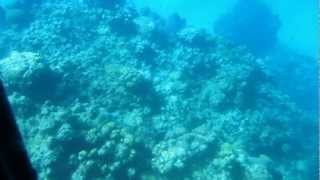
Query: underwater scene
[164, 89]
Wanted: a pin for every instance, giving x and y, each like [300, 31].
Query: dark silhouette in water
[175, 23]
[17, 12]
[250, 23]
[2, 17]
[14, 161]
[109, 4]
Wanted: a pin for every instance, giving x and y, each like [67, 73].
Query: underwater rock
[153, 29]
[145, 51]
[109, 4]
[113, 150]
[123, 23]
[15, 67]
[196, 38]
[175, 154]
[27, 73]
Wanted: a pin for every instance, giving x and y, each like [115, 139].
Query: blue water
[298, 28]
[161, 90]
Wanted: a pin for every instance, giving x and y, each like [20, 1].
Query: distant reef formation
[104, 91]
[250, 23]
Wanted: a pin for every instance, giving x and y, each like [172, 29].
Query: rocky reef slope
[103, 91]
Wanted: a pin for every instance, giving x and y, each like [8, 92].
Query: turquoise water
[164, 90]
[298, 31]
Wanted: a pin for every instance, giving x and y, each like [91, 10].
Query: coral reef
[28, 74]
[107, 93]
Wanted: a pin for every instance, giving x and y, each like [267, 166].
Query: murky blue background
[299, 29]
